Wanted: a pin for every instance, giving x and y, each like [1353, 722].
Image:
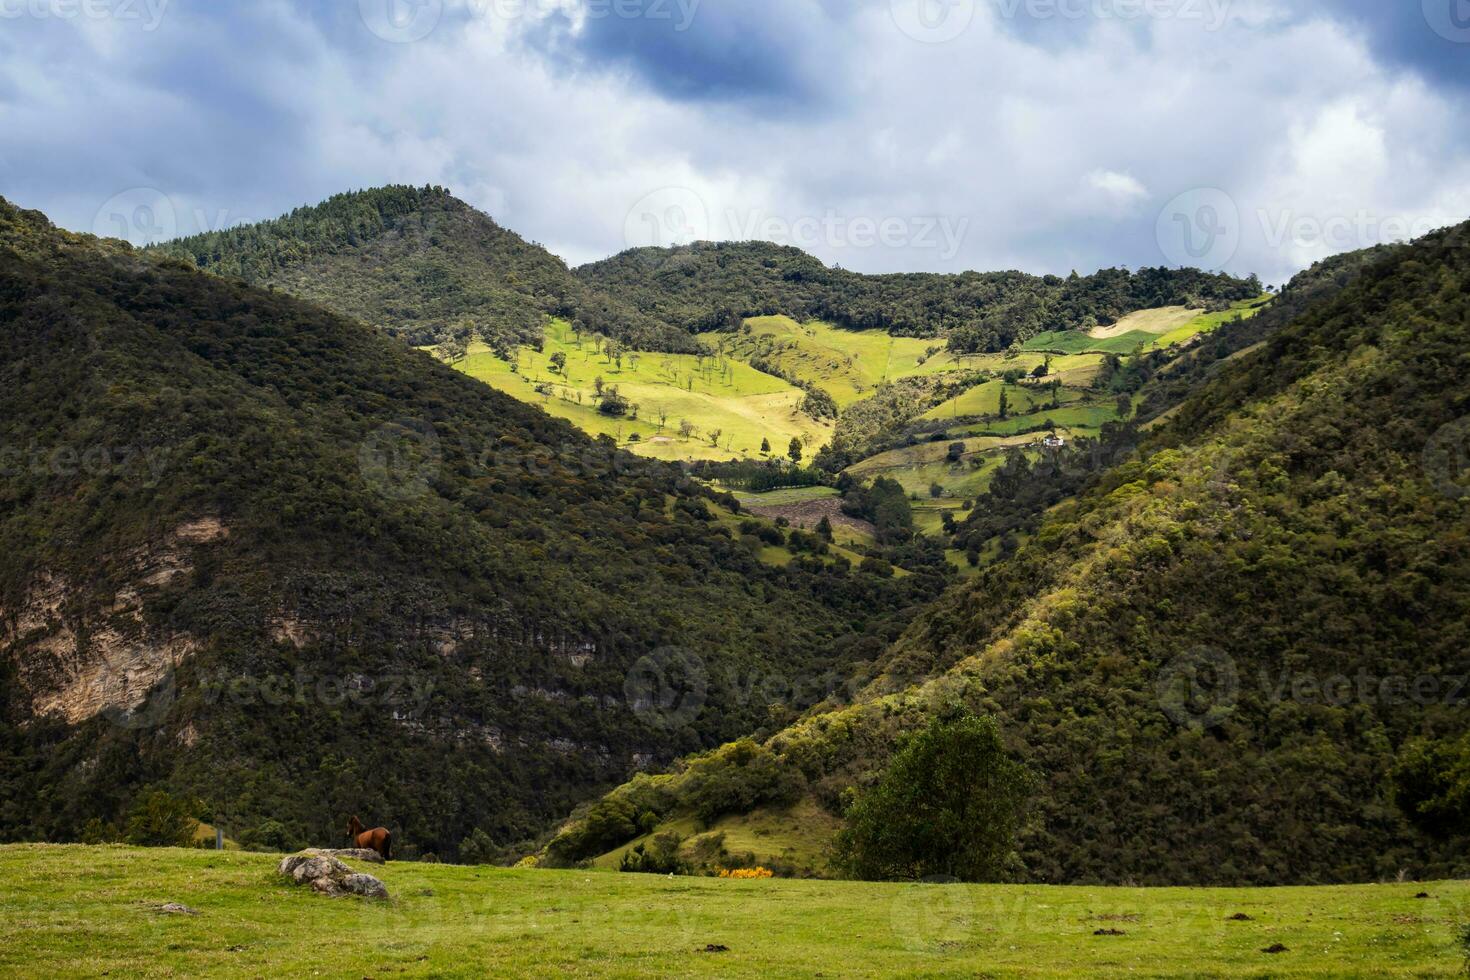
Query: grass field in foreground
[72, 911]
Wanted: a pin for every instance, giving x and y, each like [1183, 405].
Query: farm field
[984, 399]
[1145, 330]
[743, 404]
[72, 911]
[848, 364]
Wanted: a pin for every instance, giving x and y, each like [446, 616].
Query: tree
[1005, 403]
[613, 403]
[687, 428]
[956, 451]
[477, 848]
[161, 820]
[936, 490]
[559, 362]
[597, 385]
[663, 417]
[1125, 407]
[1431, 784]
[1042, 370]
[766, 446]
[949, 804]
[824, 528]
[714, 437]
[794, 450]
[452, 350]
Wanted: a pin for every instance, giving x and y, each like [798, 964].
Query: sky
[882, 135]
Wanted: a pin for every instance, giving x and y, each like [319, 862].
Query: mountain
[712, 286]
[269, 559]
[422, 265]
[1226, 656]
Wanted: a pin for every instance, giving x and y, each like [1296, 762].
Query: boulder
[329, 876]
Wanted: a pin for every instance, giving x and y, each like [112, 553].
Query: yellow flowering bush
[748, 873]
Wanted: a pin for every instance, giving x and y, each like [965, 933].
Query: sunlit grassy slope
[79, 911]
[847, 364]
[1145, 330]
[727, 395]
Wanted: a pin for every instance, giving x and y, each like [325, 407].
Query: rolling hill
[1220, 658]
[274, 562]
[422, 265]
[716, 286]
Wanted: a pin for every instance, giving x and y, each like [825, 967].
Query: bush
[95, 831]
[948, 805]
[161, 820]
[659, 856]
[269, 836]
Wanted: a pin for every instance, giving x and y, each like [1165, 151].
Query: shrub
[161, 820]
[269, 836]
[95, 831]
[948, 805]
[659, 856]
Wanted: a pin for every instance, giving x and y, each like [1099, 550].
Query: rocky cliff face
[78, 659]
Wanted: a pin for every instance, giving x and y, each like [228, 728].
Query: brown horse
[378, 839]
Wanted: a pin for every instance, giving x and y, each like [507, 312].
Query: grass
[984, 399]
[799, 836]
[848, 364]
[746, 405]
[74, 911]
[1145, 330]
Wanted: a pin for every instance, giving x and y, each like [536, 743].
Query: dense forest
[277, 564]
[715, 286]
[425, 266]
[1238, 655]
[422, 265]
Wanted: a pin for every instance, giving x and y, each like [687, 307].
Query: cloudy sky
[887, 135]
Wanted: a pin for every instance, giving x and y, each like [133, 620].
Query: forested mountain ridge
[270, 559]
[1240, 656]
[713, 286]
[422, 265]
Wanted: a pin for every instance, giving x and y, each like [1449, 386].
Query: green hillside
[93, 911]
[1207, 656]
[713, 394]
[422, 265]
[283, 567]
[716, 286]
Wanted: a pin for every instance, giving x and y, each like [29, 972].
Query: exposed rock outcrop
[329, 876]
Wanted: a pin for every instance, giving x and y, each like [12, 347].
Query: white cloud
[1035, 156]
